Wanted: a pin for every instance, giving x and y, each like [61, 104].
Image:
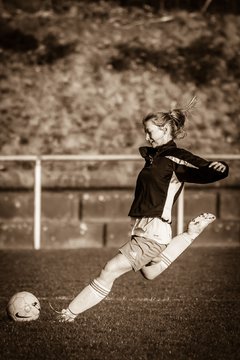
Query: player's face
[155, 135]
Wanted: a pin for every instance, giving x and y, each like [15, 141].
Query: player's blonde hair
[175, 118]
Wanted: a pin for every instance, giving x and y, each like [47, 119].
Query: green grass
[190, 312]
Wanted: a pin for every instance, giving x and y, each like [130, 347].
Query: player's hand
[218, 166]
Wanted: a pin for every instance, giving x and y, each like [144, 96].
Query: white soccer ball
[23, 306]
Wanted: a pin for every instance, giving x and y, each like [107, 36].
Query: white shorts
[141, 251]
[152, 228]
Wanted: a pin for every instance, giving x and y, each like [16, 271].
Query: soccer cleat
[198, 224]
[66, 316]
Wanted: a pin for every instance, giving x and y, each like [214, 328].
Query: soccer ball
[23, 306]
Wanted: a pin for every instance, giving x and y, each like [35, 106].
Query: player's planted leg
[98, 289]
[177, 245]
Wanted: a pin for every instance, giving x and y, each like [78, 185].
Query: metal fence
[39, 160]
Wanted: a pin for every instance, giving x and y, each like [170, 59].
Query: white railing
[38, 181]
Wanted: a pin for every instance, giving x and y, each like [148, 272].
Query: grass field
[190, 312]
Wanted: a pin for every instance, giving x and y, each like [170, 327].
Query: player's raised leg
[177, 245]
[98, 289]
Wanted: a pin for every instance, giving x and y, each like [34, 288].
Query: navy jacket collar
[147, 151]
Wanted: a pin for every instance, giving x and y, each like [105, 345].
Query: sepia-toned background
[78, 76]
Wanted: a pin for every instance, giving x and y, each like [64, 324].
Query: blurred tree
[157, 5]
[206, 5]
[28, 6]
[193, 5]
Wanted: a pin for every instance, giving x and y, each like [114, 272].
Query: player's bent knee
[110, 268]
[106, 275]
[118, 265]
[148, 275]
[109, 273]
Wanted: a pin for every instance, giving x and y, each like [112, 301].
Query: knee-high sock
[176, 247]
[90, 296]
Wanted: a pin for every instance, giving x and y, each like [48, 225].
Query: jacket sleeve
[193, 169]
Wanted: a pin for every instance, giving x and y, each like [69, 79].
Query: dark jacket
[161, 180]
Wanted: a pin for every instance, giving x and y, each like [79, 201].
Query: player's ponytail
[175, 118]
[178, 117]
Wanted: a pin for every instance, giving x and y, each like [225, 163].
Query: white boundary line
[136, 300]
[143, 300]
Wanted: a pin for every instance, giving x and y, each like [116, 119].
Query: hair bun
[178, 116]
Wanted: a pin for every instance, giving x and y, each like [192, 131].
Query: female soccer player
[151, 248]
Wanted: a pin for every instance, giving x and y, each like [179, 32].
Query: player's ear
[165, 128]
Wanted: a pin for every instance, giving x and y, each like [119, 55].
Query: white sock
[181, 242]
[90, 296]
[177, 246]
